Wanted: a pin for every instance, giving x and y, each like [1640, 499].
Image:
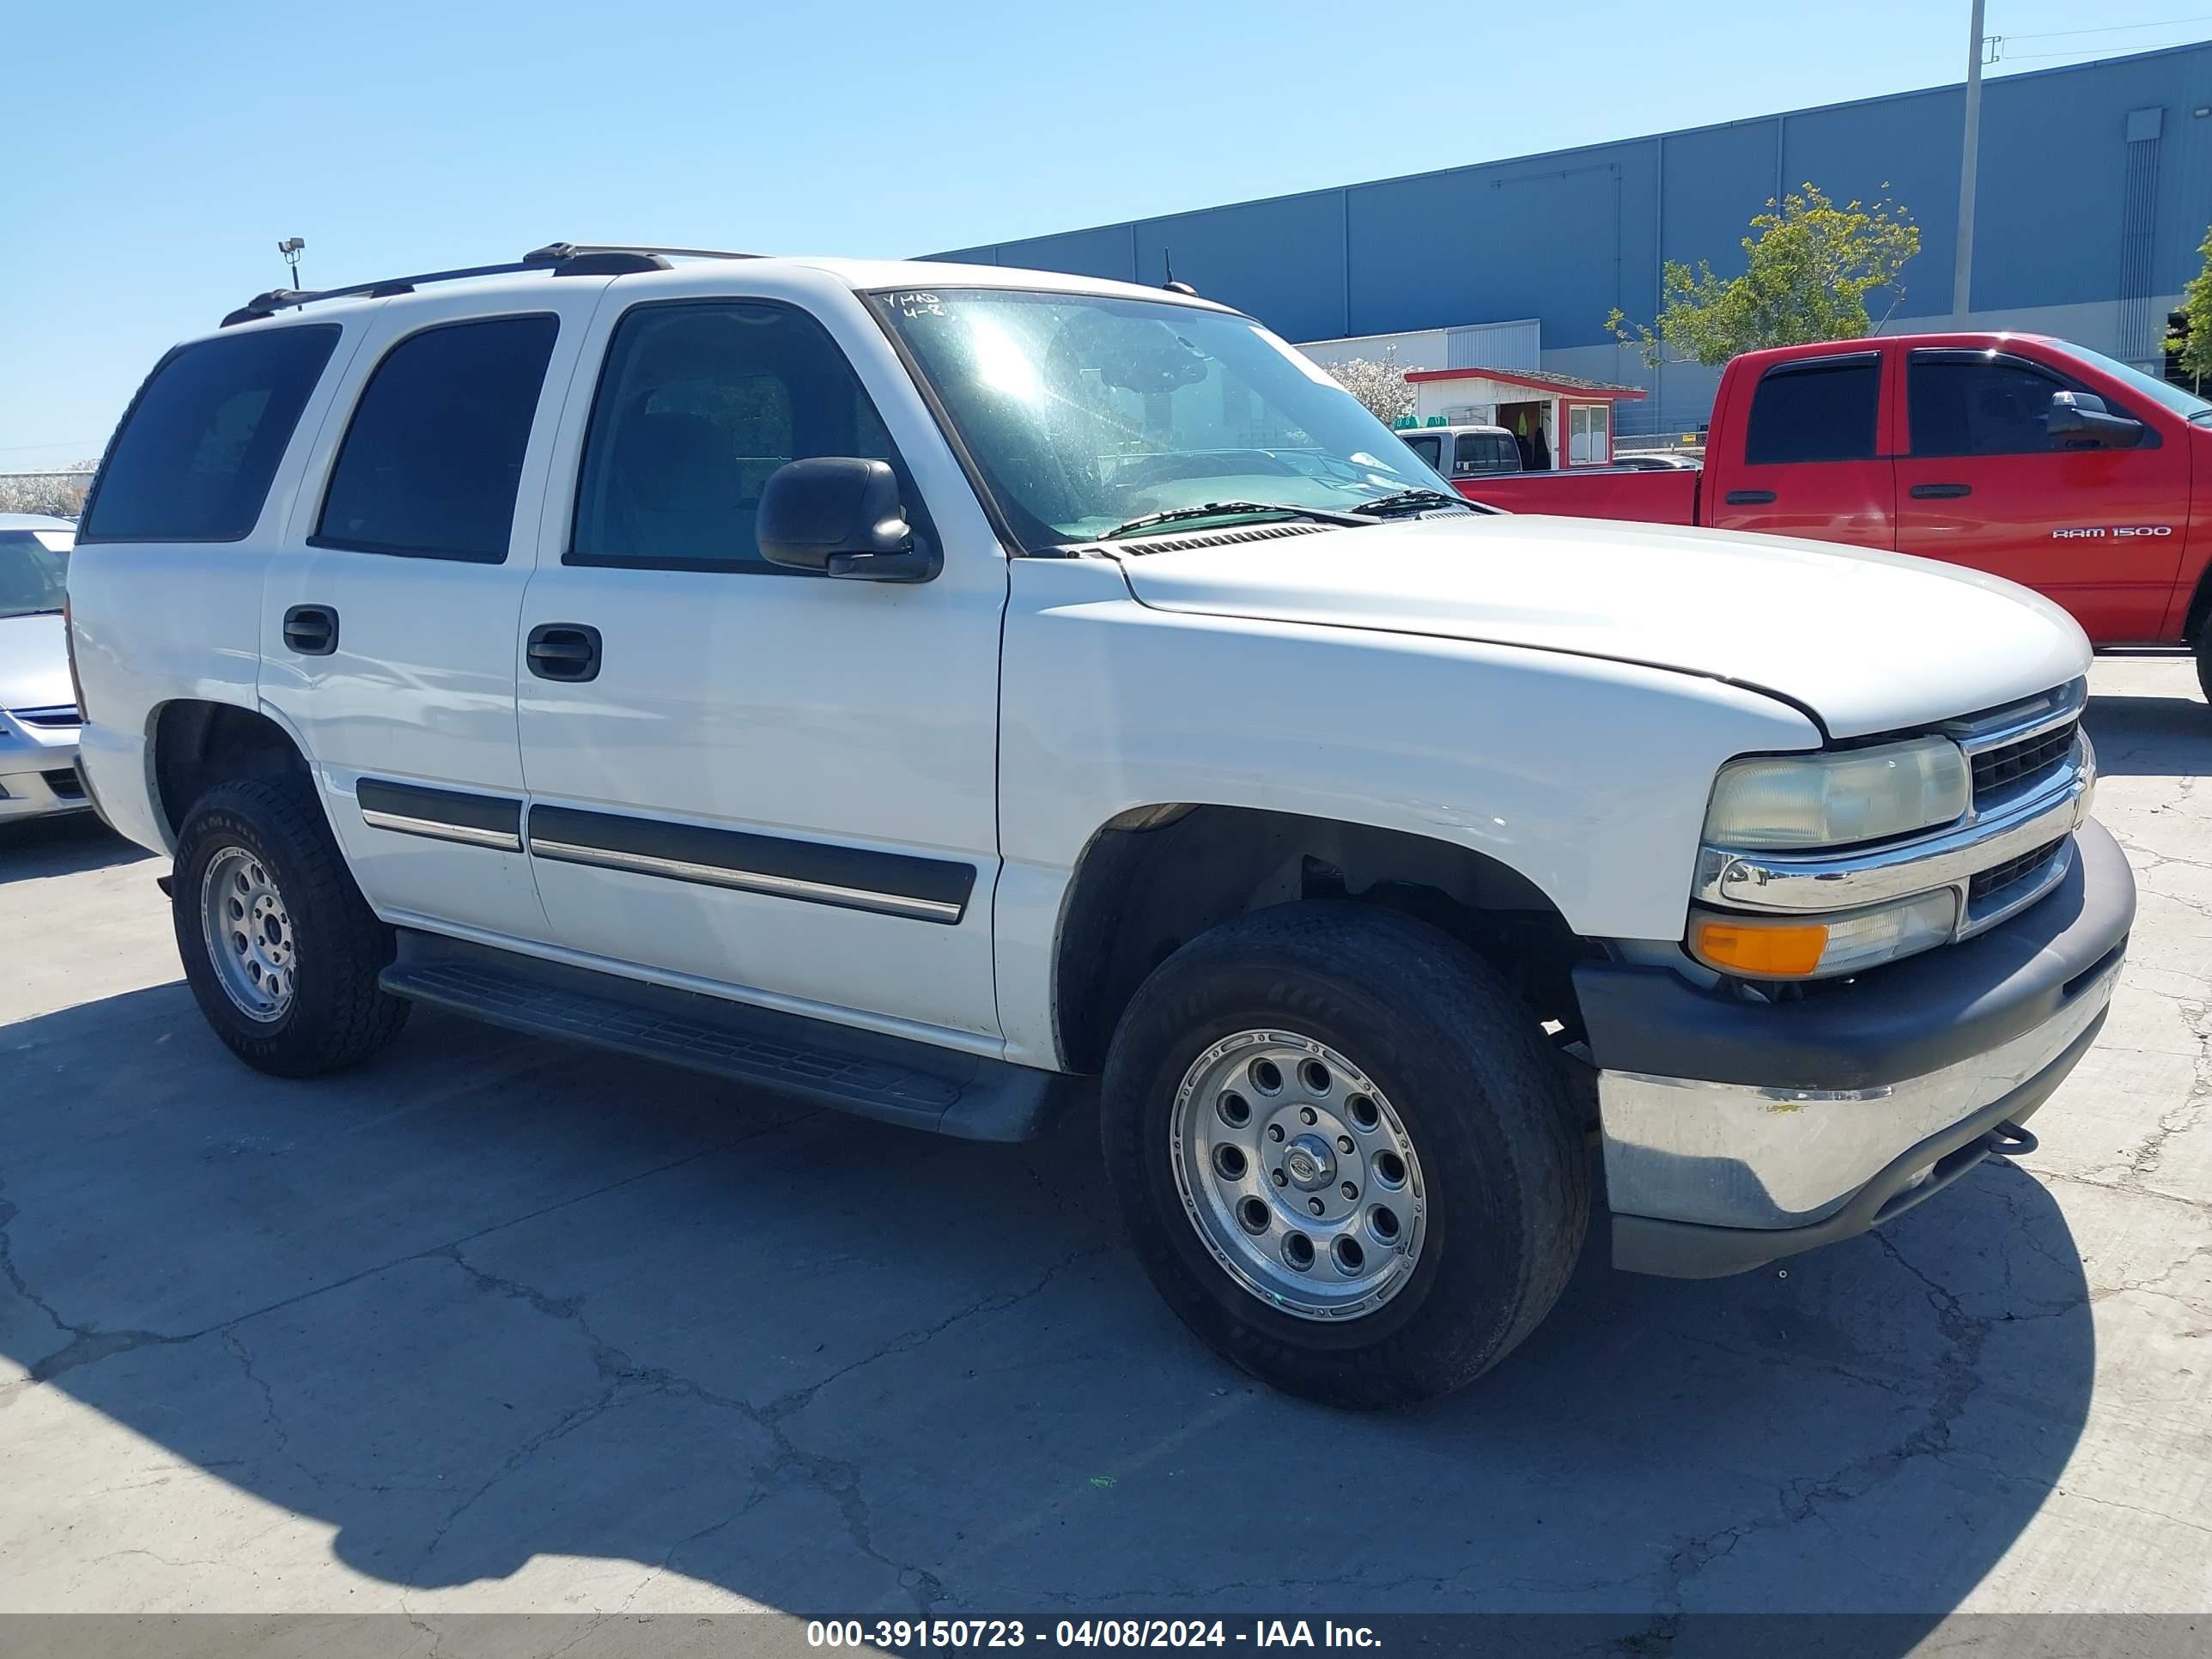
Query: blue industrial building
[2094, 192]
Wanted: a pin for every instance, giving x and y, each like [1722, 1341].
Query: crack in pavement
[626, 1379]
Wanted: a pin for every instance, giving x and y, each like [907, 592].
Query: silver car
[38, 717]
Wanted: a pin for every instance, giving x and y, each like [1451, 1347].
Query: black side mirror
[2080, 421]
[840, 515]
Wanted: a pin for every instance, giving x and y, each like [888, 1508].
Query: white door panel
[811, 712]
[420, 689]
[788, 781]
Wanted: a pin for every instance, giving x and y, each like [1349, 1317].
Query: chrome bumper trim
[1736, 1155]
[1849, 880]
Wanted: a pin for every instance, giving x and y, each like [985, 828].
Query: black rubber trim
[1683, 1250]
[1932, 1010]
[895, 875]
[467, 811]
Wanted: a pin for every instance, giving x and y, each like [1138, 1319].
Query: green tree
[2194, 337]
[1809, 267]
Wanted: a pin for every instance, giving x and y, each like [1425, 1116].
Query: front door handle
[311, 630]
[1939, 492]
[1749, 497]
[567, 651]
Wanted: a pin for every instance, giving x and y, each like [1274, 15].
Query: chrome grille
[60, 714]
[1991, 885]
[2018, 766]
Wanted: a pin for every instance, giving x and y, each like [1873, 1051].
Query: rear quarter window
[192, 459]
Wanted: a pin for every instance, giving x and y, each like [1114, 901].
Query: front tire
[280, 949]
[1344, 1153]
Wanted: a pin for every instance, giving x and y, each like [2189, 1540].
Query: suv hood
[1868, 641]
[34, 664]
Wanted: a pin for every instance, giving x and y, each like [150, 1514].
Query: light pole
[1962, 277]
[291, 245]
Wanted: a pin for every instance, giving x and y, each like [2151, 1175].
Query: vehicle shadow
[490, 1301]
[61, 846]
[2146, 737]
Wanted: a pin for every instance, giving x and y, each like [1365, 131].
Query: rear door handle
[1939, 492]
[567, 651]
[1749, 497]
[312, 630]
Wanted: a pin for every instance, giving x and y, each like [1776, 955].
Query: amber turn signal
[1768, 952]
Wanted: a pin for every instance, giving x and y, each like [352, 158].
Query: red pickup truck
[2027, 457]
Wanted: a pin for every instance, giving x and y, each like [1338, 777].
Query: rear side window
[1819, 411]
[195, 454]
[430, 464]
[699, 403]
[1430, 449]
[1485, 452]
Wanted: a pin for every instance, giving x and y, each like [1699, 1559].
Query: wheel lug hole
[1316, 1206]
[1308, 1116]
[1280, 1178]
[1343, 1143]
[1274, 1131]
[1350, 1192]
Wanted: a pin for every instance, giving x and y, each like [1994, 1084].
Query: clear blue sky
[156, 152]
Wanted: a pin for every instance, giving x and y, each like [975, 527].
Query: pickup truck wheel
[1344, 1153]
[2204, 660]
[280, 949]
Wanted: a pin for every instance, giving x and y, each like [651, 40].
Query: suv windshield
[32, 563]
[1084, 413]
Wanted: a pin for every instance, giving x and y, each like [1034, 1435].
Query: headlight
[1820, 947]
[1835, 799]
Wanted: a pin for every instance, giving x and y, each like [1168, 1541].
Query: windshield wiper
[1225, 509]
[1412, 501]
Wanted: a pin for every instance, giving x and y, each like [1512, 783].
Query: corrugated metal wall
[2072, 212]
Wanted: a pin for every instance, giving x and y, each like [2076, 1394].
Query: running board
[892, 1079]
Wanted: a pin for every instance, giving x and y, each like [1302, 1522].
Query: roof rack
[561, 258]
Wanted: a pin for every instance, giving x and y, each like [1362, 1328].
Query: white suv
[925, 687]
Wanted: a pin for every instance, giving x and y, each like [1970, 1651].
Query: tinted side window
[1979, 405]
[194, 457]
[698, 403]
[1429, 449]
[430, 463]
[1820, 410]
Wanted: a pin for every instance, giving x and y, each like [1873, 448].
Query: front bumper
[40, 780]
[1738, 1132]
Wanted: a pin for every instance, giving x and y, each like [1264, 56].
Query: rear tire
[280, 949]
[1413, 1049]
[2205, 659]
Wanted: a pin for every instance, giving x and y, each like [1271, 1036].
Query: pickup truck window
[194, 456]
[698, 402]
[1080, 412]
[1974, 403]
[1478, 453]
[429, 467]
[1817, 409]
[1430, 449]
